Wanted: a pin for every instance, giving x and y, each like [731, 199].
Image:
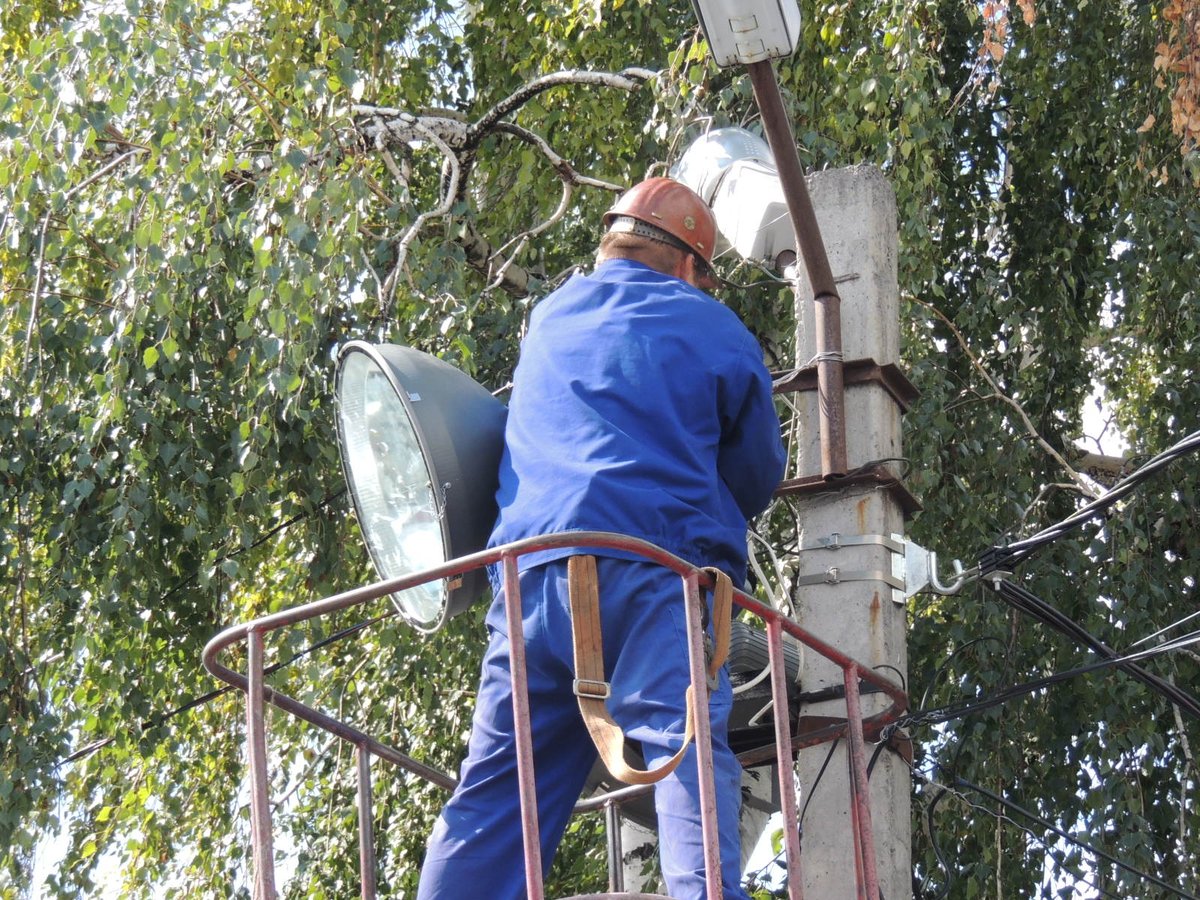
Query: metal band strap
[834, 575]
[591, 688]
[837, 541]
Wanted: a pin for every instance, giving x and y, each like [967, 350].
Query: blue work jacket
[640, 405]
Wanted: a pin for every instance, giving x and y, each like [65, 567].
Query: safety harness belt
[592, 689]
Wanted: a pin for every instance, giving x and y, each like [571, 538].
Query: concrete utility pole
[847, 557]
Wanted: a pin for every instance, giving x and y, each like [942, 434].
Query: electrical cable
[933, 842]
[804, 809]
[180, 585]
[1001, 816]
[1025, 601]
[949, 659]
[258, 542]
[155, 721]
[1009, 555]
[1170, 627]
[813, 787]
[960, 709]
[1083, 845]
[777, 599]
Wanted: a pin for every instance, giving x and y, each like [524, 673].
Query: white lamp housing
[420, 444]
[733, 170]
[749, 31]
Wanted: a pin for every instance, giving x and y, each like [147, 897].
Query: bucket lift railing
[856, 728]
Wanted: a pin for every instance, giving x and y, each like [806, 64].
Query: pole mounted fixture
[734, 171]
[420, 443]
[752, 34]
[741, 32]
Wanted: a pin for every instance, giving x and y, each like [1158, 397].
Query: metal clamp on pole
[834, 575]
[837, 541]
[894, 544]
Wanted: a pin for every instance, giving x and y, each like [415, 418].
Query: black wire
[937, 848]
[883, 744]
[1047, 824]
[949, 659]
[259, 541]
[1024, 600]
[965, 708]
[813, 788]
[899, 675]
[1005, 557]
[1000, 816]
[155, 721]
[885, 737]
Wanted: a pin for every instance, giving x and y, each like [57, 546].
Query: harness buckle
[590, 689]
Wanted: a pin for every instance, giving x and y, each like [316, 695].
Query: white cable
[775, 598]
[1164, 630]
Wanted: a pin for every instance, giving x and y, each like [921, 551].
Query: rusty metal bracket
[877, 475]
[855, 371]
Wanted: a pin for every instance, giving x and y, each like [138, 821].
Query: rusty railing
[856, 728]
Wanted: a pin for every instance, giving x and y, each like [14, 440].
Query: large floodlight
[420, 444]
[749, 31]
[734, 171]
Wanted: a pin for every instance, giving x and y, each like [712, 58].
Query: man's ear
[702, 275]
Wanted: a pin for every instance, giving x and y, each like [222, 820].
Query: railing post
[616, 853]
[366, 830]
[784, 764]
[256, 739]
[259, 695]
[530, 833]
[703, 734]
[860, 788]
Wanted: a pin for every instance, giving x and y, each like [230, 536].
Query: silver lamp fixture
[734, 171]
[420, 443]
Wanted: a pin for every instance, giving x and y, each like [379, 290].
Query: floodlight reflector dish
[709, 157]
[420, 443]
[734, 171]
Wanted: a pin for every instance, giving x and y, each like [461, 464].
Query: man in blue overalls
[640, 405]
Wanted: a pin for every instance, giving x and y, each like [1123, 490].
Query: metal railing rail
[856, 728]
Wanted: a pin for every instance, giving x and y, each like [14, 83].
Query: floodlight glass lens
[392, 490]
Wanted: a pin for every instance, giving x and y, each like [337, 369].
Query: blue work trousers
[476, 848]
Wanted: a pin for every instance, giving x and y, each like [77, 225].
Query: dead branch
[455, 176]
[458, 140]
[626, 80]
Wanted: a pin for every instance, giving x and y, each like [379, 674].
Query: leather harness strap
[591, 687]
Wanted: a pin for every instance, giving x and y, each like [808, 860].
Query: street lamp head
[742, 32]
[420, 444]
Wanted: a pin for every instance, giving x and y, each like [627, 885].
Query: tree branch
[383, 127]
[626, 80]
[410, 234]
[1080, 482]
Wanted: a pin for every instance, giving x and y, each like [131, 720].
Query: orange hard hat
[669, 208]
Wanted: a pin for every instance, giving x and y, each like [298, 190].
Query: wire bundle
[1004, 557]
